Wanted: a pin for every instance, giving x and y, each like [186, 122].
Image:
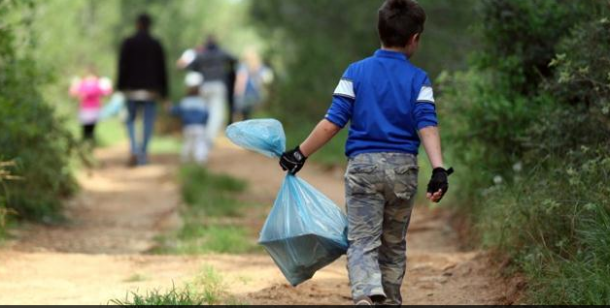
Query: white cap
[193, 79]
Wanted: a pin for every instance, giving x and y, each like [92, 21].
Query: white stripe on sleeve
[345, 88]
[188, 56]
[426, 95]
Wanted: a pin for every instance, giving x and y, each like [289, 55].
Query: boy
[389, 102]
[194, 114]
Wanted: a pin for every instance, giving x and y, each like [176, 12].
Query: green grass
[211, 216]
[211, 194]
[207, 288]
[581, 277]
[110, 132]
[197, 237]
[554, 220]
[210, 285]
[222, 239]
[172, 297]
[165, 144]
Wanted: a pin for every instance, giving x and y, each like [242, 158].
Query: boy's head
[400, 24]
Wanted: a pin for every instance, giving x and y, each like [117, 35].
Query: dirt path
[438, 272]
[100, 254]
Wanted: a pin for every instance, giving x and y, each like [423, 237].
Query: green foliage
[582, 67]
[75, 34]
[555, 222]
[311, 43]
[520, 38]
[31, 136]
[531, 136]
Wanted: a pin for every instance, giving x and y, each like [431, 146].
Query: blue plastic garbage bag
[114, 107]
[305, 230]
[265, 136]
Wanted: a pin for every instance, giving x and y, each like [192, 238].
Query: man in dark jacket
[143, 79]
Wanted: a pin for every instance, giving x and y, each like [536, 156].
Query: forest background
[523, 91]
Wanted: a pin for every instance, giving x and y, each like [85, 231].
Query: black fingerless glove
[440, 181]
[293, 161]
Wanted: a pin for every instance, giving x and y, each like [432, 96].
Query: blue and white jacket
[192, 110]
[388, 100]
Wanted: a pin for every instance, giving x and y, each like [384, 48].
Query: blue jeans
[149, 109]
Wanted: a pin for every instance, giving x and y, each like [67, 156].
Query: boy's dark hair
[144, 21]
[398, 21]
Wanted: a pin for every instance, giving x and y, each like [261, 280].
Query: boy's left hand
[439, 184]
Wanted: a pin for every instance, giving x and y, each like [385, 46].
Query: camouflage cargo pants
[380, 190]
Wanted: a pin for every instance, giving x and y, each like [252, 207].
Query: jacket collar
[380, 53]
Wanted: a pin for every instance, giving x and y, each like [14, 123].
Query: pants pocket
[405, 181]
[360, 179]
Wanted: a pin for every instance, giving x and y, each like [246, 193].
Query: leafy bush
[529, 125]
[520, 38]
[31, 135]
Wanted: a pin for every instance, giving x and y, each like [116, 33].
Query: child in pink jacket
[90, 91]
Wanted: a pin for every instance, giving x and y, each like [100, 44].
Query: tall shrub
[529, 125]
[30, 134]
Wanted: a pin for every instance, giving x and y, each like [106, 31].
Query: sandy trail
[101, 254]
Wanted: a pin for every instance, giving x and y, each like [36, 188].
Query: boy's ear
[415, 38]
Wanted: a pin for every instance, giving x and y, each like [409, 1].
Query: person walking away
[252, 77]
[216, 65]
[143, 79]
[90, 91]
[193, 111]
[391, 106]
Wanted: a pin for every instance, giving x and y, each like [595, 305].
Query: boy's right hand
[439, 184]
[293, 161]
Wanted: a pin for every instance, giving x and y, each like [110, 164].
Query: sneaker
[365, 301]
